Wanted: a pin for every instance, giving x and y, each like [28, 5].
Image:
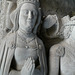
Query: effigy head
[27, 17]
[68, 24]
[27, 13]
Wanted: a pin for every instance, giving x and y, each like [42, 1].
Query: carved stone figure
[21, 51]
[62, 55]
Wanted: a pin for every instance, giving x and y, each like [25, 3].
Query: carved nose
[29, 15]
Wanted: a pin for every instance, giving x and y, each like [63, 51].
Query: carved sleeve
[54, 60]
[42, 58]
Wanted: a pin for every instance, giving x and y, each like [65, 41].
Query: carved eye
[26, 12]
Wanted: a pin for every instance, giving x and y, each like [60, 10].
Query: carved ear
[38, 21]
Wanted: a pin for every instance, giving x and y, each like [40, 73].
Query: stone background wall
[59, 7]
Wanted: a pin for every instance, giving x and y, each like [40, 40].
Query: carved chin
[29, 29]
[29, 23]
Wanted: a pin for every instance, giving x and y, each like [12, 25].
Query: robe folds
[6, 54]
[7, 51]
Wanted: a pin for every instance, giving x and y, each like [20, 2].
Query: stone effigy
[20, 52]
[62, 55]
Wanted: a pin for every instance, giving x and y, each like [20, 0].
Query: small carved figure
[21, 49]
[62, 55]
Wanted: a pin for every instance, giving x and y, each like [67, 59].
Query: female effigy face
[28, 16]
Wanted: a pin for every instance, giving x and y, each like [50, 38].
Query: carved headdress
[35, 2]
[67, 26]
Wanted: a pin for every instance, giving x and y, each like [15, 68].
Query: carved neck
[24, 33]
